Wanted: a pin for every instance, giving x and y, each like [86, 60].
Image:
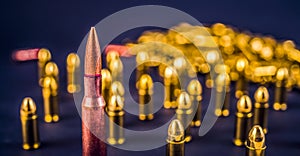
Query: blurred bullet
[242, 82]
[280, 97]
[51, 107]
[172, 89]
[145, 90]
[261, 106]
[222, 86]
[30, 132]
[106, 84]
[195, 90]
[73, 69]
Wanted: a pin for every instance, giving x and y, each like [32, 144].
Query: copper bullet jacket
[93, 104]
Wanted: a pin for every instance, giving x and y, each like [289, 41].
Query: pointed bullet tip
[93, 62]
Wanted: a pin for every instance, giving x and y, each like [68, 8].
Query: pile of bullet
[234, 56]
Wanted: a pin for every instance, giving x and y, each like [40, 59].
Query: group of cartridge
[233, 56]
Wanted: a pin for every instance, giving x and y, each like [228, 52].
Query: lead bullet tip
[175, 131]
[93, 63]
[244, 105]
[261, 95]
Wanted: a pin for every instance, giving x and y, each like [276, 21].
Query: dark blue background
[61, 25]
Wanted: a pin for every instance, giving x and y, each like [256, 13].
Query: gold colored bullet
[44, 56]
[116, 69]
[180, 65]
[281, 90]
[117, 88]
[141, 59]
[106, 84]
[52, 70]
[222, 84]
[172, 89]
[261, 107]
[51, 108]
[183, 113]
[242, 82]
[195, 90]
[255, 144]
[110, 56]
[243, 120]
[30, 132]
[145, 89]
[73, 69]
[116, 120]
[175, 139]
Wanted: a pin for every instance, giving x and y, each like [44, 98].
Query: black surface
[60, 26]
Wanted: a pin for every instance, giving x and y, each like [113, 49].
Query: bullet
[116, 120]
[172, 89]
[44, 56]
[106, 84]
[183, 113]
[242, 82]
[51, 107]
[261, 107]
[51, 70]
[243, 120]
[211, 58]
[93, 104]
[195, 90]
[116, 70]
[30, 132]
[255, 144]
[222, 85]
[110, 56]
[73, 69]
[145, 90]
[175, 139]
[280, 97]
[141, 59]
[117, 88]
[180, 65]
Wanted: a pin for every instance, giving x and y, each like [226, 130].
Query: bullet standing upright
[30, 131]
[93, 104]
[44, 56]
[261, 106]
[184, 113]
[51, 107]
[172, 90]
[116, 70]
[243, 120]
[255, 144]
[73, 64]
[242, 82]
[106, 84]
[222, 85]
[175, 139]
[145, 89]
[195, 91]
[115, 112]
[280, 96]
